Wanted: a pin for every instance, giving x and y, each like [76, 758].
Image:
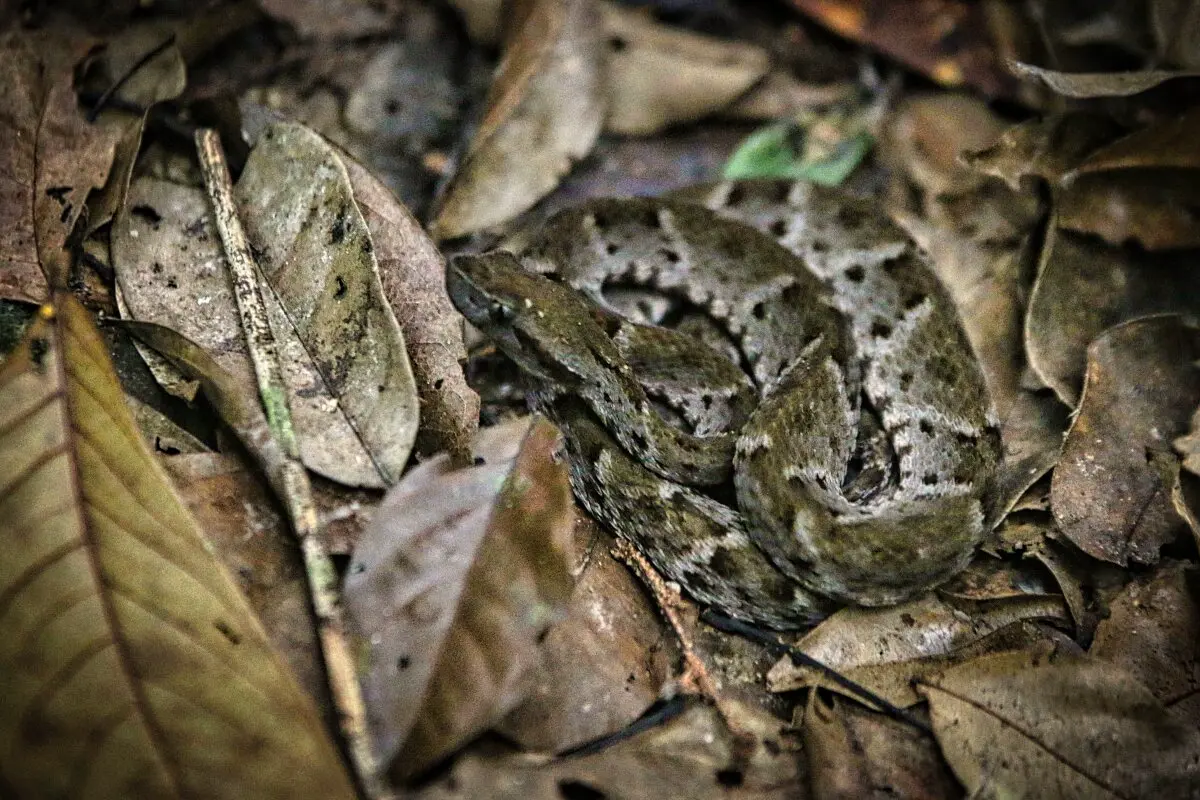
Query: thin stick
[322, 577]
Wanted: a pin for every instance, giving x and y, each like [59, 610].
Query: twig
[322, 577]
[739, 628]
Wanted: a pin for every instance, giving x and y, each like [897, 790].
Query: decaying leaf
[413, 275]
[1152, 207]
[450, 588]
[1084, 287]
[1110, 495]
[1154, 633]
[171, 270]
[610, 649]
[886, 648]
[50, 159]
[1016, 725]
[133, 666]
[694, 756]
[1097, 84]
[544, 111]
[853, 752]
[660, 76]
[1167, 143]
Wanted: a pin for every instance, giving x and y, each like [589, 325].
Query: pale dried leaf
[450, 589]
[1097, 84]
[1014, 725]
[544, 111]
[128, 652]
[660, 76]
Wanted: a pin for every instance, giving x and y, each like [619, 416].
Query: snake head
[549, 330]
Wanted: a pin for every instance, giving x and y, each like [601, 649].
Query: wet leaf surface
[450, 598]
[130, 653]
[1111, 490]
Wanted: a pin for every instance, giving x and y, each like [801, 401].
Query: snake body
[864, 471]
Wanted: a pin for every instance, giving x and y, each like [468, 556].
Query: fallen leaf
[50, 159]
[1108, 494]
[129, 654]
[1015, 725]
[692, 755]
[853, 752]
[339, 19]
[780, 151]
[1167, 143]
[660, 75]
[544, 111]
[1083, 287]
[1153, 631]
[885, 649]
[609, 651]
[1097, 84]
[1048, 148]
[1154, 208]
[413, 275]
[450, 589]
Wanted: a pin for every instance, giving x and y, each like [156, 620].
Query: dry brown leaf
[853, 752]
[133, 666]
[1151, 207]
[413, 274]
[1046, 148]
[659, 75]
[450, 590]
[1083, 287]
[50, 159]
[610, 651]
[1110, 495]
[544, 111]
[1169, 143]
[885, 649]
[1015, 725]
[690, 757]
[1154, 633]
[1097, 84]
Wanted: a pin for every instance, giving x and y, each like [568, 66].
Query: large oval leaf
[132, 665]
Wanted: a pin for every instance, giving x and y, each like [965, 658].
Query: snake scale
[820, 435]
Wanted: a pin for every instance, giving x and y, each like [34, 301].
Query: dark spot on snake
[906, 379]
[851, 216]
[337, 231]
[819, 246]
[340, 291]
[480, 461]
[172, 283]
[856, 273]
[778, 228]
[403, 663]
[880, 330]
[913, 300]
[706, 400]
[908, 619]
[439, 383]
[930, 479]
[759, 311]
[59, 193]
[730, 778]
[670, 255]
[783, 190]
[926, 427]
[617, 44]
[699, 583]
[611, 248]
[737, 193]
[600, 221]
[227, 631]
[578, 790]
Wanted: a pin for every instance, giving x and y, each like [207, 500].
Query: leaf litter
[1062, 662]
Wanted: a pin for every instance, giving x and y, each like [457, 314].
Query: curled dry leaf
[886, 648]
[543, 112]
[50, 159]
[450, 589]
[1083, 287]
[853, 752]
[1021, 725]
[1166, 144]
[133, 666]
[1111, 495]
[1097, 84]
[413, 274]
[659, 75]
[1153, 631]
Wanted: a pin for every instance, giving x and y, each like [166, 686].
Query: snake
[817, 431]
